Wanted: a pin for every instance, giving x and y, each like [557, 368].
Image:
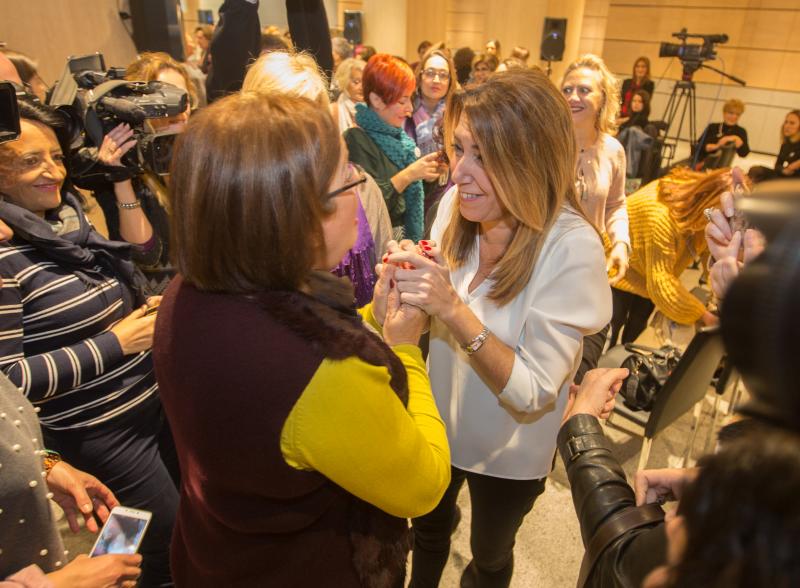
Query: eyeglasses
[432, 74]
[349, 185]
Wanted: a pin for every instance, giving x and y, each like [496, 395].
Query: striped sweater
[56, 346]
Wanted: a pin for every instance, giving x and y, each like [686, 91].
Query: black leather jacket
[599, 490]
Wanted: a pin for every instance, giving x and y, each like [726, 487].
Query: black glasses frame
[350, 186]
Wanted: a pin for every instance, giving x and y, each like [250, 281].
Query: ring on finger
[708, 212]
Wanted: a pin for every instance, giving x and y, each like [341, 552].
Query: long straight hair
[523, 127]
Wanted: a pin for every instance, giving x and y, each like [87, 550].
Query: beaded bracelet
[51, 458]
[130, 205]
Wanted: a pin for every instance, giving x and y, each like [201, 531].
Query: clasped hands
[413, 285]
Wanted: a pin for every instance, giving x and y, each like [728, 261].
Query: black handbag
[649, 369]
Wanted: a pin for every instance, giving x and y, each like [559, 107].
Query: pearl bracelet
[130, 205]
[477, 342]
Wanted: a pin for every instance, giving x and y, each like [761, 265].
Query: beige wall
[52, 30]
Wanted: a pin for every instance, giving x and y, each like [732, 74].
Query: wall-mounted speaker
[353, 26]
[553, 39]
[157, 26]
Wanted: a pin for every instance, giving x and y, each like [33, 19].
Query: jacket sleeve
[744, 150]
[664, 287]
[30, 577]
[352, 428]
[237, 41]
[600, 490]
[616, 213]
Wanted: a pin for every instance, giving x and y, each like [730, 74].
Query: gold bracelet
[477, 342]
[130, 205]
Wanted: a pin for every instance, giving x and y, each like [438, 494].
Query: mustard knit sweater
[659, 254]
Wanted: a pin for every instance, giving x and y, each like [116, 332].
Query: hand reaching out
[78, 492]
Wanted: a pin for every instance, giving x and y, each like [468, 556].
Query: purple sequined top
[358, 264]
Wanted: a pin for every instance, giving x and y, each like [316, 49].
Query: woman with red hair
[380, 146]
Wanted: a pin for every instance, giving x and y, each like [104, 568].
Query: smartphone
[123, 532]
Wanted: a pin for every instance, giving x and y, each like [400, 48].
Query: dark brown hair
[249, 180]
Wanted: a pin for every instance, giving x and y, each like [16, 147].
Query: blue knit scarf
[401, 151]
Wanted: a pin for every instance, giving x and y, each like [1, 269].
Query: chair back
[688, 383]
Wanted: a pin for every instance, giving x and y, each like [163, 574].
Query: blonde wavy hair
[523, 127]
[293, 74]
[607, 116]
[688, 193]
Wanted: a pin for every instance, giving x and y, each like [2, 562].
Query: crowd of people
[363, 284]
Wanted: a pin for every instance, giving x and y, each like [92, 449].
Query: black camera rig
[95, 100]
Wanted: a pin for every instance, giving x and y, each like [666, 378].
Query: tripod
[683, 98]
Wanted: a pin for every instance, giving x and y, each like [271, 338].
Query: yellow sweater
[350, 426]
[659, 254]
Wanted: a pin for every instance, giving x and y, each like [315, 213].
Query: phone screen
[121, 534]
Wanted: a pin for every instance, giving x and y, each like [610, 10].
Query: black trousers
[498, 508]
[631, 312]
[134, 456]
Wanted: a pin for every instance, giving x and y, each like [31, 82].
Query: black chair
[687, 385]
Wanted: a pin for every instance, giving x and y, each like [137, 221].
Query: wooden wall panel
[52, 30]
[427, 20]
[764, 36]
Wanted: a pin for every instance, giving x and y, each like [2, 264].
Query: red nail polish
[385, 258]
[426, 248]
[423, 242]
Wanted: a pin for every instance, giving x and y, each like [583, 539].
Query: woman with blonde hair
[296, 74]
[591, 91]
[348, 78]
[516, 284]
[719, 138]
[667, 224]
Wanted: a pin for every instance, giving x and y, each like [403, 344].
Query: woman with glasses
[379, 145]
[436, 81]
[305, 439]
[298, 74]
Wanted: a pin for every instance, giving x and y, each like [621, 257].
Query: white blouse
[567, 297]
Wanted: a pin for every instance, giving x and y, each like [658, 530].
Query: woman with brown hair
[304, 439]
[136, 208]
[667, 235]
[517, 283]
[640, 80]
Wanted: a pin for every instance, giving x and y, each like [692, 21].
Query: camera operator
[735, 524]
[136, 210]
